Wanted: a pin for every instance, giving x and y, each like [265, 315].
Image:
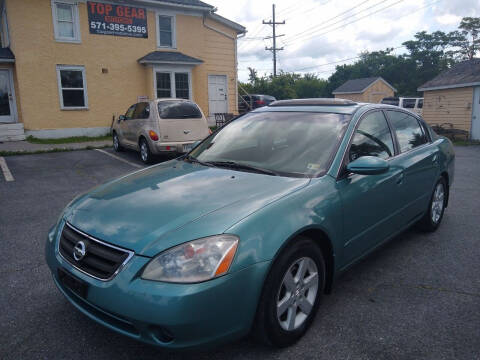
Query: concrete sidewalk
[25, 146]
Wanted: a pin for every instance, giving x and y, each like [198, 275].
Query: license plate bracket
[72, 283]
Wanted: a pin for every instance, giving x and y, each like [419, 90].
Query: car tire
[145, 153]
[436, 207]
[282, 317]
[116, 143]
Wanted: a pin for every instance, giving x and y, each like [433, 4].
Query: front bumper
[169, 315]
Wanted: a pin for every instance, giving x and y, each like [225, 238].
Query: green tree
[470, 29]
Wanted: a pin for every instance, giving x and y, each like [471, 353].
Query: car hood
[137, 210]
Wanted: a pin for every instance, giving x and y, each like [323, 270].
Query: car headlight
[194, 261]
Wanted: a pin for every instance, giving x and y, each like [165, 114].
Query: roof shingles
[188, 3]
[357, 85]
[6, 54]
[465, 73]
[168, 57]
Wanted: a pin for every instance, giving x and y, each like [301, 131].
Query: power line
[295, 12]
[324, 24]
[327, 24]
[348, 23]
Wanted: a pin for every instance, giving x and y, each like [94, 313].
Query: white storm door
[476, 114]
[217, 94]
[7, 98]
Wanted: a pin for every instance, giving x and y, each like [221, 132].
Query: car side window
[408, 130]
[130, 111]
[142, 111]
[372, 138]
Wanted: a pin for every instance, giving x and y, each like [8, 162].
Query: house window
[72, 87]
[172, 84]
[166, 31]
[164, 88]
[65, 21]
[182, 90]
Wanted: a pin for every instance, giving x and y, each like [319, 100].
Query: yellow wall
[373, 94]
[37, 54]
[449, 106]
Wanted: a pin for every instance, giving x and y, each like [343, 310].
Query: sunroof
[314, 102]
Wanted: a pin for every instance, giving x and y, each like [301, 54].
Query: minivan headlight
[194, 261]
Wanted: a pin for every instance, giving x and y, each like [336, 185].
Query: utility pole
[274, 37]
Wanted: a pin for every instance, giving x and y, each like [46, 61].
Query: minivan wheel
[145, 153]
[116, 143]
[291, 294]
[436, 208]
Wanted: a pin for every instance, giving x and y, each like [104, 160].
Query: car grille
[102, 261]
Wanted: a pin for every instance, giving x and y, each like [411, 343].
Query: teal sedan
[249, 230]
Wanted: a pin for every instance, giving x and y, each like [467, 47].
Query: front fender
[264, 233]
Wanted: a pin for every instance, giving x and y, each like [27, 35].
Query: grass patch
[13, 153]
[466, 142]
[69, 140]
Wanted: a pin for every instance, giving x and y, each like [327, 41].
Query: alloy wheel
[438, 203]
[297, 294]
[115, 142]
[144, 151]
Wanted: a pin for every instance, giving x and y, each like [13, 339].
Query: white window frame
[5, 31]
[76, 22]
[172, 70]
[60, 89]
[174, 26]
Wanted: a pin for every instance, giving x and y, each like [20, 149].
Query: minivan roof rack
[313, 102]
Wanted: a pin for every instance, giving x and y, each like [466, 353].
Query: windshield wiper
[195, 160]
[240, 166]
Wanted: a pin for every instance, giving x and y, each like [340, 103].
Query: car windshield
[282, 143]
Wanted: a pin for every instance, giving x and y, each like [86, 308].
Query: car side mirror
[122, 118]
[368, 165]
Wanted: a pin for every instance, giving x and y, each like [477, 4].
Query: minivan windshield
[281, 143]
[177, 109]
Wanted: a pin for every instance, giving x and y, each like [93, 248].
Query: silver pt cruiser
[160, 126]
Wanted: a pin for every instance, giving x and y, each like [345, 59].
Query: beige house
[453, 97]
[68, 67]
[370, 90]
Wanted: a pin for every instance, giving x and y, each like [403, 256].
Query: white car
[411, 103]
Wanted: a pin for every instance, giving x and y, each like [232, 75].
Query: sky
[320, 34]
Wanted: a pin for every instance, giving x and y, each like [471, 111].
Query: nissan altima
[247, 232]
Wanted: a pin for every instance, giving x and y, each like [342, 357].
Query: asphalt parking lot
[416, 298]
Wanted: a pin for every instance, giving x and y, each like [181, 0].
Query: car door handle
[434, 158]
[400, 178]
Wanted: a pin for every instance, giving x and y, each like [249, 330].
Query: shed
[371, 89]
[453, 97]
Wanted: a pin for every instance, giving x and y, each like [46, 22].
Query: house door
[217, 94]
[476, 114]
[7, 97]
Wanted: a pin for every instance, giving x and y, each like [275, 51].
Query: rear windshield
[178, 110]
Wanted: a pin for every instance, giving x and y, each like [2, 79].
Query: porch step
[12, 132]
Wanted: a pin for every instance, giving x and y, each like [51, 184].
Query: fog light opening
[161, 335]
